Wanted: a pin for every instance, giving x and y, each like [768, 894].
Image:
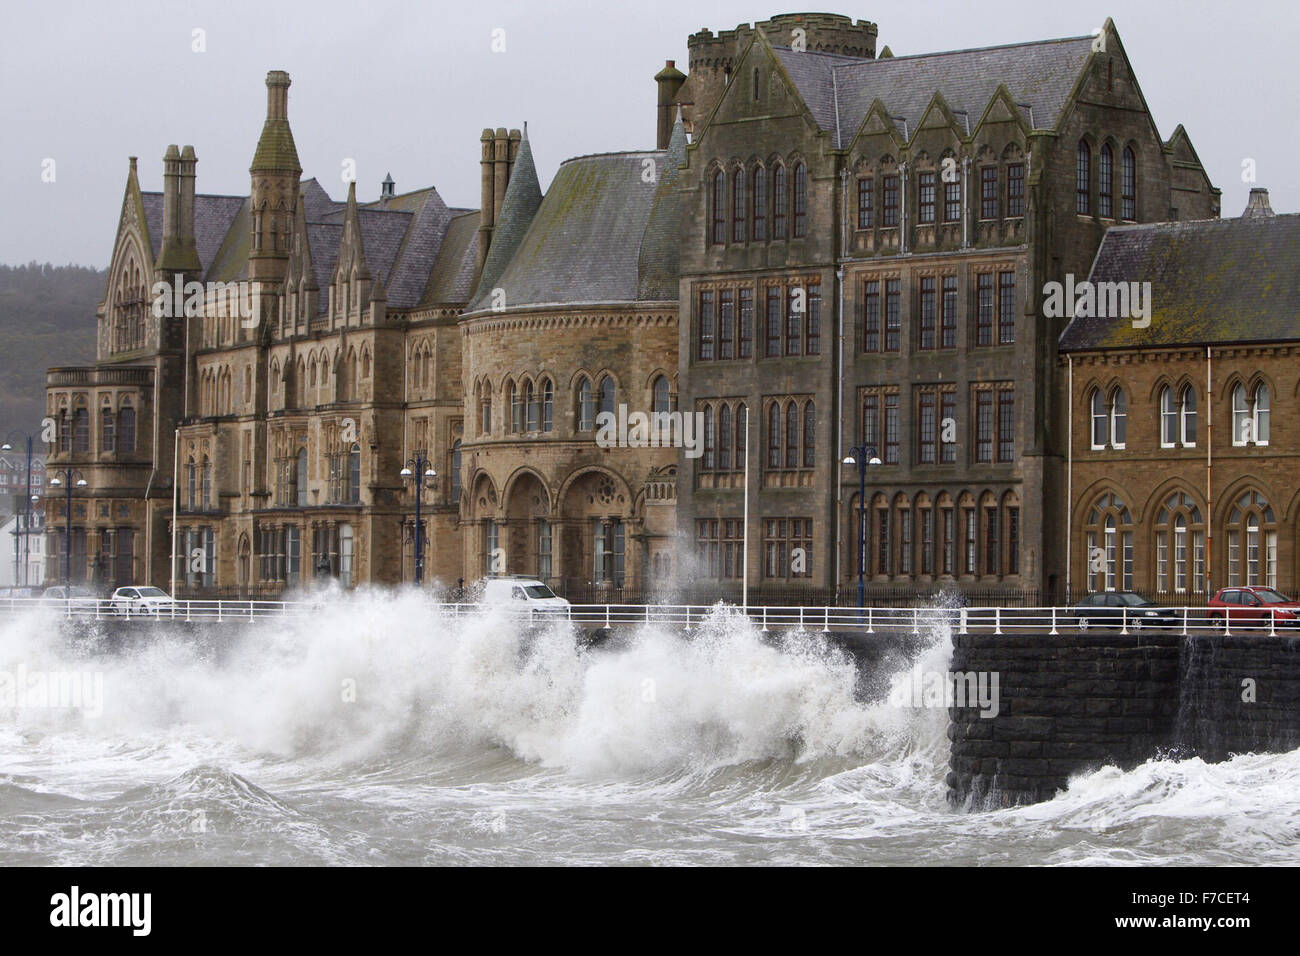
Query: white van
[522, 592]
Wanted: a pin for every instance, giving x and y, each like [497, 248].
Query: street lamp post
[863, 457]
[419, 465]
[26, 529]
[70, 476]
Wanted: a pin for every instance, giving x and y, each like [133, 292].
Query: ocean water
[379, 731]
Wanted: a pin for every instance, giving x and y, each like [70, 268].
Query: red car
[1252, 606]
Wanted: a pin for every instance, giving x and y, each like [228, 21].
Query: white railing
[964, 620]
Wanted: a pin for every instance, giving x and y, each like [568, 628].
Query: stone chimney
[669, 80]
[496, 164]
[1257, 206]
[179, 252]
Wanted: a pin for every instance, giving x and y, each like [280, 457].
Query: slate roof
[451, 280]
[1212, 281]
[213, 217]
[583, 246]
[839, 90]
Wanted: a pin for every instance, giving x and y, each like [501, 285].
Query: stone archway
[594, 530]
[527, 532]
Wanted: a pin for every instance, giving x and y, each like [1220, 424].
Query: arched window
[345, 555]
[1187, 406]
[774, 436]
[515, 401]
[724, 438]
[738, 203]
[1106, 182]
[759, 199]
[710, 441]
[455, 472]
[107, 430]
[1128, 184]
[742, 436]
[191, 480]
[485, 408]
[586, 406]
[1180, 546]
[662, 396]
[548, 405]
[607, 395]
[81, 430]
[300, 478]
[1250, 415]
[207, 483]
[778, 201]
[532, 404]
[354, 474]
[809, 435]
[1109, 557]
[1252, 542]
[1118, 418]
[1100, 425]
[800, 200]
[1168, 418]
[1083, 179]
[792, 435]
[719, 207]
[126, 429]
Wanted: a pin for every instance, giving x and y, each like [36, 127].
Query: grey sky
[408, 87]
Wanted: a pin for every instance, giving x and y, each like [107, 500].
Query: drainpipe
[965, 202]
[839, 387]
[1069, 477]
[1209, 466]
[902, 208]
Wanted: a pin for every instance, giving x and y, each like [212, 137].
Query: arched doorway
[528, 537]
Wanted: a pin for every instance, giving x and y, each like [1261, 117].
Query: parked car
[141, 600]
[69, 597]
[1253, 606]
[522, 592]
[1112, 608]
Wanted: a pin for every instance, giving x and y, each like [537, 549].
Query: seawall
[1071, 703]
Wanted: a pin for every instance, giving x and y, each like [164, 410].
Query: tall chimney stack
[669, 80]
[178, 254]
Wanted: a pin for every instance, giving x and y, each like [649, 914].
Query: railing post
[606, 615]
[801, 617]
[1185, 610]
[1227, 621]
[997, 620]
[1123, 616]
[916, 620]
[1053, 631]
[220, 609]
[250, 610]
[1272, 623]
[964, 626]
[870, 630]
[764, 628]
[826, 627]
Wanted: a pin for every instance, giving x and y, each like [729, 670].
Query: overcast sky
[408, 87]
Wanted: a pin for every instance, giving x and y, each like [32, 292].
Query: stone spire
[274, 197]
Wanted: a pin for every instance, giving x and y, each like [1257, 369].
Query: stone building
[846, 251]
[1183, 459]
[862, 241]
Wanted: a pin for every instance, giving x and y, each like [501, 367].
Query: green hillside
[47, 317]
